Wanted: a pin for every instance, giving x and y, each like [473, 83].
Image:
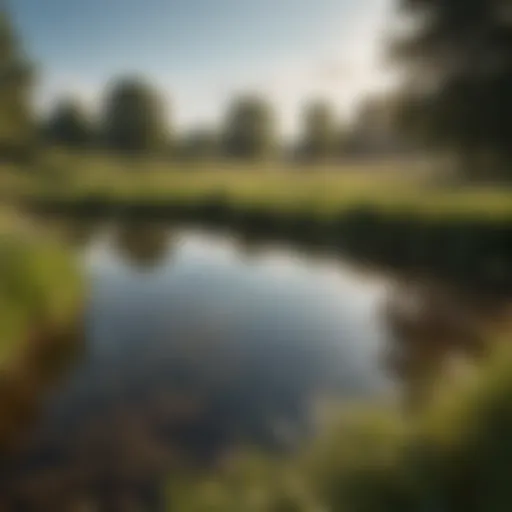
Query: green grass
[39, 288]
[388, 185]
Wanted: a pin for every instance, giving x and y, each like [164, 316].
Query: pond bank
[40, 296]
[469, 249]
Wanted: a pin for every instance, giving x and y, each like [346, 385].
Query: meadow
[389, 184]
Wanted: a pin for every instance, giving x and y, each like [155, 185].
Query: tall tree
[16, 128]
[459, 61]
[250, 130]
[69, 125]
[134, 117]
[319, 139]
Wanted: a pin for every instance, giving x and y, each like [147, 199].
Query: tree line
[456, 98]
[133, 119]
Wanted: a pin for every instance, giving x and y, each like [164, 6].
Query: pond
[197, 342]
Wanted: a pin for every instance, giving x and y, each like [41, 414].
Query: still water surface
[194, 346]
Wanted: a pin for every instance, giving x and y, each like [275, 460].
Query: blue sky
[201, 52]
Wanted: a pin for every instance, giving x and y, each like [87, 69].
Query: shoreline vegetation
[376, 458]
[381, 214]
[380, 460]
[40, 298]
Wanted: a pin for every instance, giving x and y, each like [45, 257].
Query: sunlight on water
[194, 343]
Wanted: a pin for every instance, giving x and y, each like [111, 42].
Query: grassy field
[389, 185]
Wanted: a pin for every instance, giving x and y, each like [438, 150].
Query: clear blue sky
[200, 52]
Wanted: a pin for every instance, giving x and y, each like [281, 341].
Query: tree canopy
[459, 64]
[320, 134]
[69, 125]
[15, 77]
[250, 130]
[134, 117]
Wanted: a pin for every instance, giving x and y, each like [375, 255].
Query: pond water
[196, 342]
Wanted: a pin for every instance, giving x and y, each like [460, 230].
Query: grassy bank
[455, 455]
[40, 296]
[39, 287]
[380, 213]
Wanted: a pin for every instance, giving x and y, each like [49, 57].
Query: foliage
[39, 286]
[134, 118]
[320, 134]
[250, 129]
[16, 130]
[459, 60]
[69, 126]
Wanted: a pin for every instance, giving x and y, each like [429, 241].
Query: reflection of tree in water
[143, 244]
[251, 246]
[79, 232]
[436, 331]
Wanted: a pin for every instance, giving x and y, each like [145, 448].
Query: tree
[134, 118]
[69, 125]
[319, 139]
[250, 129]
[16, 128]
[459, 64]
[374, 130]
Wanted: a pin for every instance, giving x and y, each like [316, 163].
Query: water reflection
[212, 346]
[143, 244]
[206, 349]
[438, 331]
